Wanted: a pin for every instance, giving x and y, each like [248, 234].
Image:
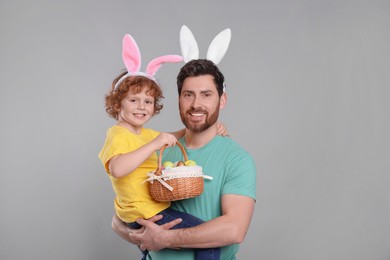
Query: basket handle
[159, 169]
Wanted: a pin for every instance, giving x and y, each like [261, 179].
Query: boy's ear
[117, 107]
[222, 101]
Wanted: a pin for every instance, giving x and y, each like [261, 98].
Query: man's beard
[198, 127]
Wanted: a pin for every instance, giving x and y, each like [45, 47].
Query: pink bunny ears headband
[189, 48]
[215, 52]
[132, 59]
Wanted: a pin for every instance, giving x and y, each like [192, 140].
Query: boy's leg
[170, 215]
[207, 253]
[189, 221]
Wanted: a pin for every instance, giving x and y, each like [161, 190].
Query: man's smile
[196, 116]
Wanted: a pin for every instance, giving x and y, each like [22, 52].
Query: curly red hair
[135, 84]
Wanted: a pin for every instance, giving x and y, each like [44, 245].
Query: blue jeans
[188, 221]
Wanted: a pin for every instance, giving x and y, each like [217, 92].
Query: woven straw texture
[187, 185]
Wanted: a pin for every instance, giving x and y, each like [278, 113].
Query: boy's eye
[149, 102]
[132, 100]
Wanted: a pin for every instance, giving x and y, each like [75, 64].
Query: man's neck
[198, 140]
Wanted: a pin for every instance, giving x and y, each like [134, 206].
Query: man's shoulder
[224, 146]
[230, 146]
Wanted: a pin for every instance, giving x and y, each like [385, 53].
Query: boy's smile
[136, 110]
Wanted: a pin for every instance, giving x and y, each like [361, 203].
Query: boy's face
[135, 110]
[200, 103]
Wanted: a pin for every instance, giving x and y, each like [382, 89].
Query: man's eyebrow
[201, 92]
[206, 91]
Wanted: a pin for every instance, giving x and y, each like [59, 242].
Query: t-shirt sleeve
[114, 145]
[241, 177]
[154, 133]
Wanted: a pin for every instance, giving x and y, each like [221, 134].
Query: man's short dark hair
[201, 67]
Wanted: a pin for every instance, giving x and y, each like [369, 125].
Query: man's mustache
[195, 111]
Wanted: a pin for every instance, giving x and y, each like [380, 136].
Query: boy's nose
[141, 105]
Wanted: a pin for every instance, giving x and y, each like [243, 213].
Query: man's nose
[195, 102]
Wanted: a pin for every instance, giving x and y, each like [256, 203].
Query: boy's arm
[230, 228]
[123, 164]
[221, 130]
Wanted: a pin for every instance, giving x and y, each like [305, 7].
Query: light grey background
[308, 84]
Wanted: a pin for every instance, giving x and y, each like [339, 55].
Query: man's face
[199, 103]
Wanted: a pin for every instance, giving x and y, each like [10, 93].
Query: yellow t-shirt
[132, 199]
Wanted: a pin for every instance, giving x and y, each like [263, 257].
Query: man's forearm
[210, 234]
[228, 229]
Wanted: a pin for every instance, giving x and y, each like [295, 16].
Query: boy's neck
[198, 140]
[134, 130]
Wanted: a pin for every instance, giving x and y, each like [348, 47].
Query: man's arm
[230, 228]
[123, 230]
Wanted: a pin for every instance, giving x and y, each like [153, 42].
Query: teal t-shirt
[233, 171]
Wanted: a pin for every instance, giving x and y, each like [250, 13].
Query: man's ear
[222, 101]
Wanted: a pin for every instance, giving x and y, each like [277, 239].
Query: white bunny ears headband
[132, 59]
[215, 52]
[189, 48]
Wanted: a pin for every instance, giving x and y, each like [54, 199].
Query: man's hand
[123, 231]
[153, 237]
[140, 237]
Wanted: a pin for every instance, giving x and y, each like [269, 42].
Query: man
[227, 203]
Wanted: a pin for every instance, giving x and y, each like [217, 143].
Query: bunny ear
[156, 63]
[130, 54]
[188, 44]
[219, 46]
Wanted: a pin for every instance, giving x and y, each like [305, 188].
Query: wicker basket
[176, 183]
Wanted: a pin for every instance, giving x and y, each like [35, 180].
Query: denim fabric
[188, 221]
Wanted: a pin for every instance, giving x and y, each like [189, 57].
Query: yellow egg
[168, 164]
[190, 163]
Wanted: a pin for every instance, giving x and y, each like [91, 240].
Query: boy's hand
[221, 129]
[164, 139]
